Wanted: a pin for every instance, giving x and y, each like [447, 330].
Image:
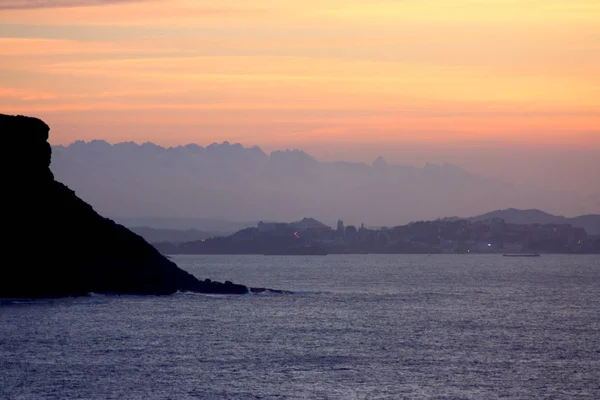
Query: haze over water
[359, 327]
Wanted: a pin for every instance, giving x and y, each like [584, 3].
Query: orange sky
[316, 74]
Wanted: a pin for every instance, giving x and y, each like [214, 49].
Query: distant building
[340, 227]
[351, 233]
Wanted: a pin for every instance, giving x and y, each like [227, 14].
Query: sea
[353, 327]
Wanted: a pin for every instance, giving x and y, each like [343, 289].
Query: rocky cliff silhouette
[56, 245]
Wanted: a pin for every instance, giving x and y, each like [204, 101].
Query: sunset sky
[474, 82]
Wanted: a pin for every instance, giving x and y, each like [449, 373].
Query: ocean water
[357, 327]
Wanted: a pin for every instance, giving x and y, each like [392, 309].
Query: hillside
[591, 222]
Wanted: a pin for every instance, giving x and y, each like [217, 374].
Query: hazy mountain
[308, 223]
[591, 222]
[234, 183]
[205, 225]
[153, 235]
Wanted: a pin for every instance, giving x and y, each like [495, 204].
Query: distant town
[443, 236]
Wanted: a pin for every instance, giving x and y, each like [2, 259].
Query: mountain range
[590, 222]
[157, 235]
[235, 183]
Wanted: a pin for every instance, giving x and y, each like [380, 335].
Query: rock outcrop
[56, 245]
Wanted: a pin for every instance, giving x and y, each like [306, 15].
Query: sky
[507, 88]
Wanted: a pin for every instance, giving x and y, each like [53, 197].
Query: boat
[522, 255]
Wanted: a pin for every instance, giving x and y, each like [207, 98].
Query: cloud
[32, 4]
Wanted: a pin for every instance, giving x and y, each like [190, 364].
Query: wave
[266, 292]
[97, 298]
[186, 293]
[8, 301]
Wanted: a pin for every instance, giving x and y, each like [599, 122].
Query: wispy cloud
[31, 4]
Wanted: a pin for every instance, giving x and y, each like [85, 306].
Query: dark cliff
[56, 245]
